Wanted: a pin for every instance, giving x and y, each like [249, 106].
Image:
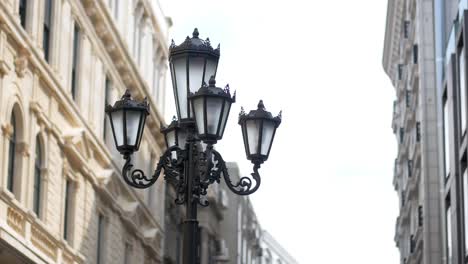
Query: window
[407, 98]
[400, 72]
[12, 155]
[406, 26]
[402, 135]
[462, 85]
[465, 207]
[47, 26]
[75, 60]
[446, 139]
[37, 178]
[448, 219]
[22, 12]
[410, 168]
[420, 215]
[418, 131]
[100, 239]
[106, 102]
[415, 53]
[67, 217]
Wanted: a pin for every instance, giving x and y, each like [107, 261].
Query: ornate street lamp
[174, 135]
[211, 106]
[127, 118]
[192, 64]
[203, 111]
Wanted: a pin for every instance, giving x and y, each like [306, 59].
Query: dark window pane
[76, 47]
[11, 155]
[106, 102]
[37, 178]
[47, 26]
[22, 12]
[66, 210]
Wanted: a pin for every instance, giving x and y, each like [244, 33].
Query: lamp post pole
[190, 227]
[203, 111]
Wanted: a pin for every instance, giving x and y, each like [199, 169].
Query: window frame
[12, 154]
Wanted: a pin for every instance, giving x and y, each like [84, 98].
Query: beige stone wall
[71, 131]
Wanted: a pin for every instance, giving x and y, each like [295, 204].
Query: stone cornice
[392, 37]
[128, 71]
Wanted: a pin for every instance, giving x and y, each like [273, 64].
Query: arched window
[37, 178]
[12, 154]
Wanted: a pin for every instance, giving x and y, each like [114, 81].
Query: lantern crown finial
[195, 33]
[126, 95]
[261, 105]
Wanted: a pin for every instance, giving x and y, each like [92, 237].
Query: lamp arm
[137, 178]
[244, 185]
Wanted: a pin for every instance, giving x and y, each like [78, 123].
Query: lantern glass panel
[133, 123]
[227, 106]
[141, 129]
[213, 112]
[253, 132]
[171, 138]
[196, 65]
[180, 70]
[199, 114]
[117, 122]
[210, 70]
[182, 139]
[268, 131]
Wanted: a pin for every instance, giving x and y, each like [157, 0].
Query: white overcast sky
[326, 193]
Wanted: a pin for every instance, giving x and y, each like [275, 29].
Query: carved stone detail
[16, 220]
[21, 62]
[23, 149]
[41, 240]
[7, 130]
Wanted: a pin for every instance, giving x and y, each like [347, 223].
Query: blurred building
[451, 35]
[410, 62]
[273, 252]
[229, 230]
[62, 199]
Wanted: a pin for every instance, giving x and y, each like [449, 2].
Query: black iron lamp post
[202, 110]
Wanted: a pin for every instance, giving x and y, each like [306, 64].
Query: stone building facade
[451, 28]
[62, 199]
[410, 62]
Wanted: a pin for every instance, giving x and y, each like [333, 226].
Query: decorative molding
[41, 240]
[7, 130]
[16, 220]
[21, 62]
[23, 149]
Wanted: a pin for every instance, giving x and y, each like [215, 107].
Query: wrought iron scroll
[244, 186]
[137, 178]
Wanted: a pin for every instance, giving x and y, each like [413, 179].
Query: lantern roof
[260, 113]
[173, 125]
[212, 90]
[194, 45]
[126, 102]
